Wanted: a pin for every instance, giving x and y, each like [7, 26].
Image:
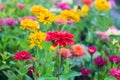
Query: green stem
[59, 64]
[63, 27]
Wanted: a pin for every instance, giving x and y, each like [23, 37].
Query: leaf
[47, 78]
[110, 78]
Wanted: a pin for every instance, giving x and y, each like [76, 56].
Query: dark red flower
[60, 38]
[99, 61]
[31, 70]
[92, 50]
[22, 55]
[114, 59]
[85, 71]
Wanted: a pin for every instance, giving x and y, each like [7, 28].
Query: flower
[119, 49]
[92, 50]
[70, 15]
[84, 10]
[63, 6]
[29, 24]
[22, 55]
[85, 71]
[10, 22]
[52, 47]
[60, 38]
[70, 22]
[114, 59]
[60, 21]
[31, 71]
[36, 38]
[102, 5]
[27, 17]
[99, 61]
[77, 50]
[0, 28]
[112, 2]
[115, 73]
[46, 17]
[38, 9]
[1, 22]
[87, 2]
[65, 53]
[2, 7]
[20, 6]
[103, 36]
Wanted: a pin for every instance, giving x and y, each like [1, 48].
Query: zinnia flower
[99, 61]
[77, 50]
[103, 36]
[63, 6]
[60, 38]
[20, 6]
[85, 71]
[1, 22]
[60, 21]
[65, 53]
[115, 73]
[70, 22]
[114, 59]
[27, 17]
[92, 50]
[10, 22]
[22, 55]
[2, 7]
[87, 2]
[84, 10]
[29, 24]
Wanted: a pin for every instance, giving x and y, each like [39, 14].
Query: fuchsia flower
[2, 7]
[103, 36]
[63, 6]
[60, 38]
[11, 22]
[27, 17]
[114, 59]
[92, 50]
[70, 22]
[112, 2]
[1, 22]
[20, 6]
[99, 61]
[22, 55]
[31, 72]
[115, 73]
[85, 71]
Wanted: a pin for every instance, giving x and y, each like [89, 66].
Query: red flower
[22, 55]
[60, 38]
[87, 2]
[85, 71]
[20, 6]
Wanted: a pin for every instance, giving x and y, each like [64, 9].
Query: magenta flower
[92, 50]
[112, 2]
[27, 17]
[2, 7]
[63, 6]
[70, 22]
[1, 22]
[114, 59]
[85, 71]
[99, 61]
[10, 22]
[20, 6]
[103, 36]
[115, 73]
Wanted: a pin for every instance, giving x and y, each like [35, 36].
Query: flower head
[115, 73]
[31, 71]
[60, 38]
[20, 6]
[92, 50]
[22, 55]
[99, 61]
[114, 59]
[103, 36]
[2, 7]
[36, 38]
[1, 22]
[84, 10]
[29, 24]
[70, 22]
[63, 6]
[87, 2]
[77, 50]
[27, 17]
[10, 22]
[85, 71]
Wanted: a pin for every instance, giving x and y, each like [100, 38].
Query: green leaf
[110, 78]
[47, 78]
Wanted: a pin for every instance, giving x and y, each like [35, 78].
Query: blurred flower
[99, 61]
[52, 47]
[78, 50]
[1, 22]
[63, 6]
[84, 10]
[68, 1]
[102, 5]
[65, 53]
[87, 2]
[27, 17]
[60, 38]
[85, 71]
[114, 59]
[60, 21]
[10, 22]
[36, 38]
[119, 49]
[22, 55]
[70, 15]
[38, 9]
[92, 50]
[2, 7]
[29, 24]
[103, 36]
[20, 6]
[112, 2]
[70, 22]
[115, 73]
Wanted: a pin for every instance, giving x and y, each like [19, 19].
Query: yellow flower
[52, 47]
[103, 5]
[29, 24]
[36, 38]
[84, 10]
[46, 17]
[38, 9]
[70, 15]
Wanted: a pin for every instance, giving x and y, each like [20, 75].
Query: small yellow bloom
[52, 47]
[102, 5]
[38, 9]
[29, 24]
[84, 10]
[36, 38]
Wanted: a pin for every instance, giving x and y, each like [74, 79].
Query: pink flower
[65, 53]
[27, 17]
[70, 22]
[115, 73]
[20, 6]
[114, 59]
[78, 50]
[119, 49]
[63, 6]
[103, 36]
[99, 61]
[112, 2]
[10, 22]
[60, 21]
[1, 22]
[85, 71]
[2, 7]
[92, 50]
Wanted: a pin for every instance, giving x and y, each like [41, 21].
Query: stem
[59, 62]
[63, 27]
